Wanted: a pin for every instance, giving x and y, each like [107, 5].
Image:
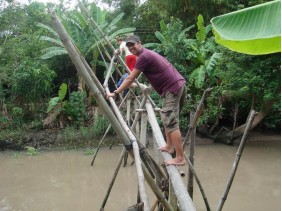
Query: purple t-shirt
[160, 73]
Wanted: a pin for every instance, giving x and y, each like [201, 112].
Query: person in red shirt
[130, 59]
[168, 83]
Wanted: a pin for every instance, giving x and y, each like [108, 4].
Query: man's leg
[171, 121]
[175, 136]
[169, 145]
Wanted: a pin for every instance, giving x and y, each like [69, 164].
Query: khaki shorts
[172, 105]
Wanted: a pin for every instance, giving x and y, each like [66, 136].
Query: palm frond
[198, 76]
[160, 36]
[122, 31]
[53, 53]
[114, 22]
[151, 45]
[212, 62]
[47, 50]
[49, 29]
[94, 46]
[80, 20]
[163, 26]
[52, 40]
[185, 30]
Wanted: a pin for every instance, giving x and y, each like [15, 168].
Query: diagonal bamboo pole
[104, 136]
[237, 159]
[196, 117]
[190, 187]
[185, 141]
[98, 147]
[183, 198]
[113, 180]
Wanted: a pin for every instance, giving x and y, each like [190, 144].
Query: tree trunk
[265, 109]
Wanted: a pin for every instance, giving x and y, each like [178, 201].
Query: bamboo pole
[184, 200]
[109, 72]
[155, 188]
[154, 205]
[172, 198]
[185, 141]
[140, 176]
[113, 180]
[104, 136]
[143, 133]
[198, 182]
[191, 158]
[237, 159]
[101, 141]
[196, 117]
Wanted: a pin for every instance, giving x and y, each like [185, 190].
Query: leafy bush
[31, 151]
[32, 81]
[76, 107]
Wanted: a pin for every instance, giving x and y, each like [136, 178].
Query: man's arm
[126, 83]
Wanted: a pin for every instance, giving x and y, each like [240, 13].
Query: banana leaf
[254, 30]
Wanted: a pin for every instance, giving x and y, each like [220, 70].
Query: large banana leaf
[254, 30]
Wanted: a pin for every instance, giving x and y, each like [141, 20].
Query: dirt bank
[54, 139]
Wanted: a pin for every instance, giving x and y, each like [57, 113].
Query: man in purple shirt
[168, 83]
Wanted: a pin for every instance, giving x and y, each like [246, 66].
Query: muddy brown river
[65, 181]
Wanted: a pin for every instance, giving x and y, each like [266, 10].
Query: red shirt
[160, 73]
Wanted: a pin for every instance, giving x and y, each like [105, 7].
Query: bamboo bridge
[165, 181]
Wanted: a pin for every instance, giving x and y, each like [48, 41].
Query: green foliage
[89, 151]
[31, 81]
[86, 37]
[201, 34]
[17, 117]
[31, 151]
[16, 155]
[58, 102]
[100, 125]
[82, 134]
[76, 108]
[242, 80]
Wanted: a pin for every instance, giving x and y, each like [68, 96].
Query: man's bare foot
[175, 162]
[165, 149]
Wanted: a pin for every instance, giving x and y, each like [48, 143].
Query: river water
[65, 181]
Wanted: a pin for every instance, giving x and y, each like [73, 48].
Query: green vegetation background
[40, 88]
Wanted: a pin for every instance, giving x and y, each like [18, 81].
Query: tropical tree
[25, 81]
[261, 35]
[86, 38]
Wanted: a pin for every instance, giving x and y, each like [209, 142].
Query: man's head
[133, 44]
[120, 40]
